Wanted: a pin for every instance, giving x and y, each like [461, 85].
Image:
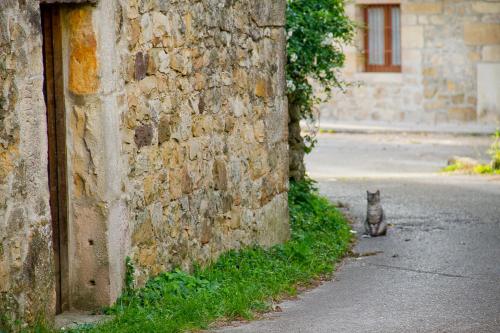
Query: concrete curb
[361, 128]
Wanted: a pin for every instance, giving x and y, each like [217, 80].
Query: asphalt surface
[437, 270]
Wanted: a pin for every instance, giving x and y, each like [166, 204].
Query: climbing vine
[316, 29]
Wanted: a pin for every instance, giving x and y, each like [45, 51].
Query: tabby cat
[375, 224]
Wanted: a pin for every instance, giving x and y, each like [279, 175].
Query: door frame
[56, 132]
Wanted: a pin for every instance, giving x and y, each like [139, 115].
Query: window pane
[396, 36]
[376, 36]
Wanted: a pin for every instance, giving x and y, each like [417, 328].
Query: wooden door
[56, 129]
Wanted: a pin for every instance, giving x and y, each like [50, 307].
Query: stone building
[421, 61]
[153, 129]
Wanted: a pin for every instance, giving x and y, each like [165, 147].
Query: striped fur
[375, 224]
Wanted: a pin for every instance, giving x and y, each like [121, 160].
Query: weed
[453, 167]
[483, 169]
[494, 151]
[129, 276]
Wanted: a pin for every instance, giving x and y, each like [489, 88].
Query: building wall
[26, 277]
[443, 43]
[205, 134]
[176, 126]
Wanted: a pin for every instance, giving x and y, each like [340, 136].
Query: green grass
[481, 169]
[486, 170]
[239, 284]
[327, 131]
[453, 167]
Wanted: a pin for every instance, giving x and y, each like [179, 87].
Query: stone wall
[205, 132]
[26, 275]
[443, 42]
[176, 142]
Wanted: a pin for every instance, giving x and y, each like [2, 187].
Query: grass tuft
[453, 167]
[481, 169]
[241, 283]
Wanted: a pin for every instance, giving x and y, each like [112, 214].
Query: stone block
[430, 92]
[206, 232]
[180, 64]
[258, 162]
[271, 228]
[458, 99]
[408, 19]
[491, 53]
[412, 57]
[437, 20]
[83, 65]
[422, 8]
[147, 85]
[263, 88]
[430, 72]
[269, 13]
[474, 56]
[434, 105]
[144, 232]
[150, 189]
[186, 181]
[141, 65]
[451, 86]
[479, 33]
[259, 131]
[486, 7]
[134, 32]
[462, 114]
[220, 175]
[157, 60]
[412, 37]
[164, 131]
[471, 100]
[143, 136]
[488, 97]
[423, 19]
[7, 162]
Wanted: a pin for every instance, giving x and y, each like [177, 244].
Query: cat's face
[373, 197]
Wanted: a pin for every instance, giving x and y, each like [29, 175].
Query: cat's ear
[378, 192]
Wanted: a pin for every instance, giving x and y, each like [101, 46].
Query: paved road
[438, 269]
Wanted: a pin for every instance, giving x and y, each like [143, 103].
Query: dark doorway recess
[56, 130]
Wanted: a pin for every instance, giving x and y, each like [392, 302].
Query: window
[382, 38]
